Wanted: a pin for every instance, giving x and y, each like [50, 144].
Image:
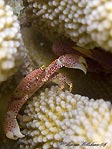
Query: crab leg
[31, 83]
[61, 79]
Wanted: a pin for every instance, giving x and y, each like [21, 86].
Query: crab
[32, 82]
[98, 60]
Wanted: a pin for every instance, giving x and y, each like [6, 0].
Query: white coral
[9, 41]
[86, 22]
[56, 116]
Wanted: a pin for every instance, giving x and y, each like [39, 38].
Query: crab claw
[11, 126]
[26, 88]
[82, 65]
[73, 61]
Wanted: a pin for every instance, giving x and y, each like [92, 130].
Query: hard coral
[56, 118]
[86, 22]
[10, 41]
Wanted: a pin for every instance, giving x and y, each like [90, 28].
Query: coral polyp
[88, 23]
[10, 41]
[56, 118]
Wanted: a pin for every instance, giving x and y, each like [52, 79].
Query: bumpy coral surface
[86, 22]
[9, 41]
[56, 118]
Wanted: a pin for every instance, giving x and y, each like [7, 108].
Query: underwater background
[27, 32]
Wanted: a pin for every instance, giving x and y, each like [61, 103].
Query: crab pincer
[69, 61]
[23, 92]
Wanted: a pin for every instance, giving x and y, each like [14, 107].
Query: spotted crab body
[32, 82]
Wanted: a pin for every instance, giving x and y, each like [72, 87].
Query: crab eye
[43, 67]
